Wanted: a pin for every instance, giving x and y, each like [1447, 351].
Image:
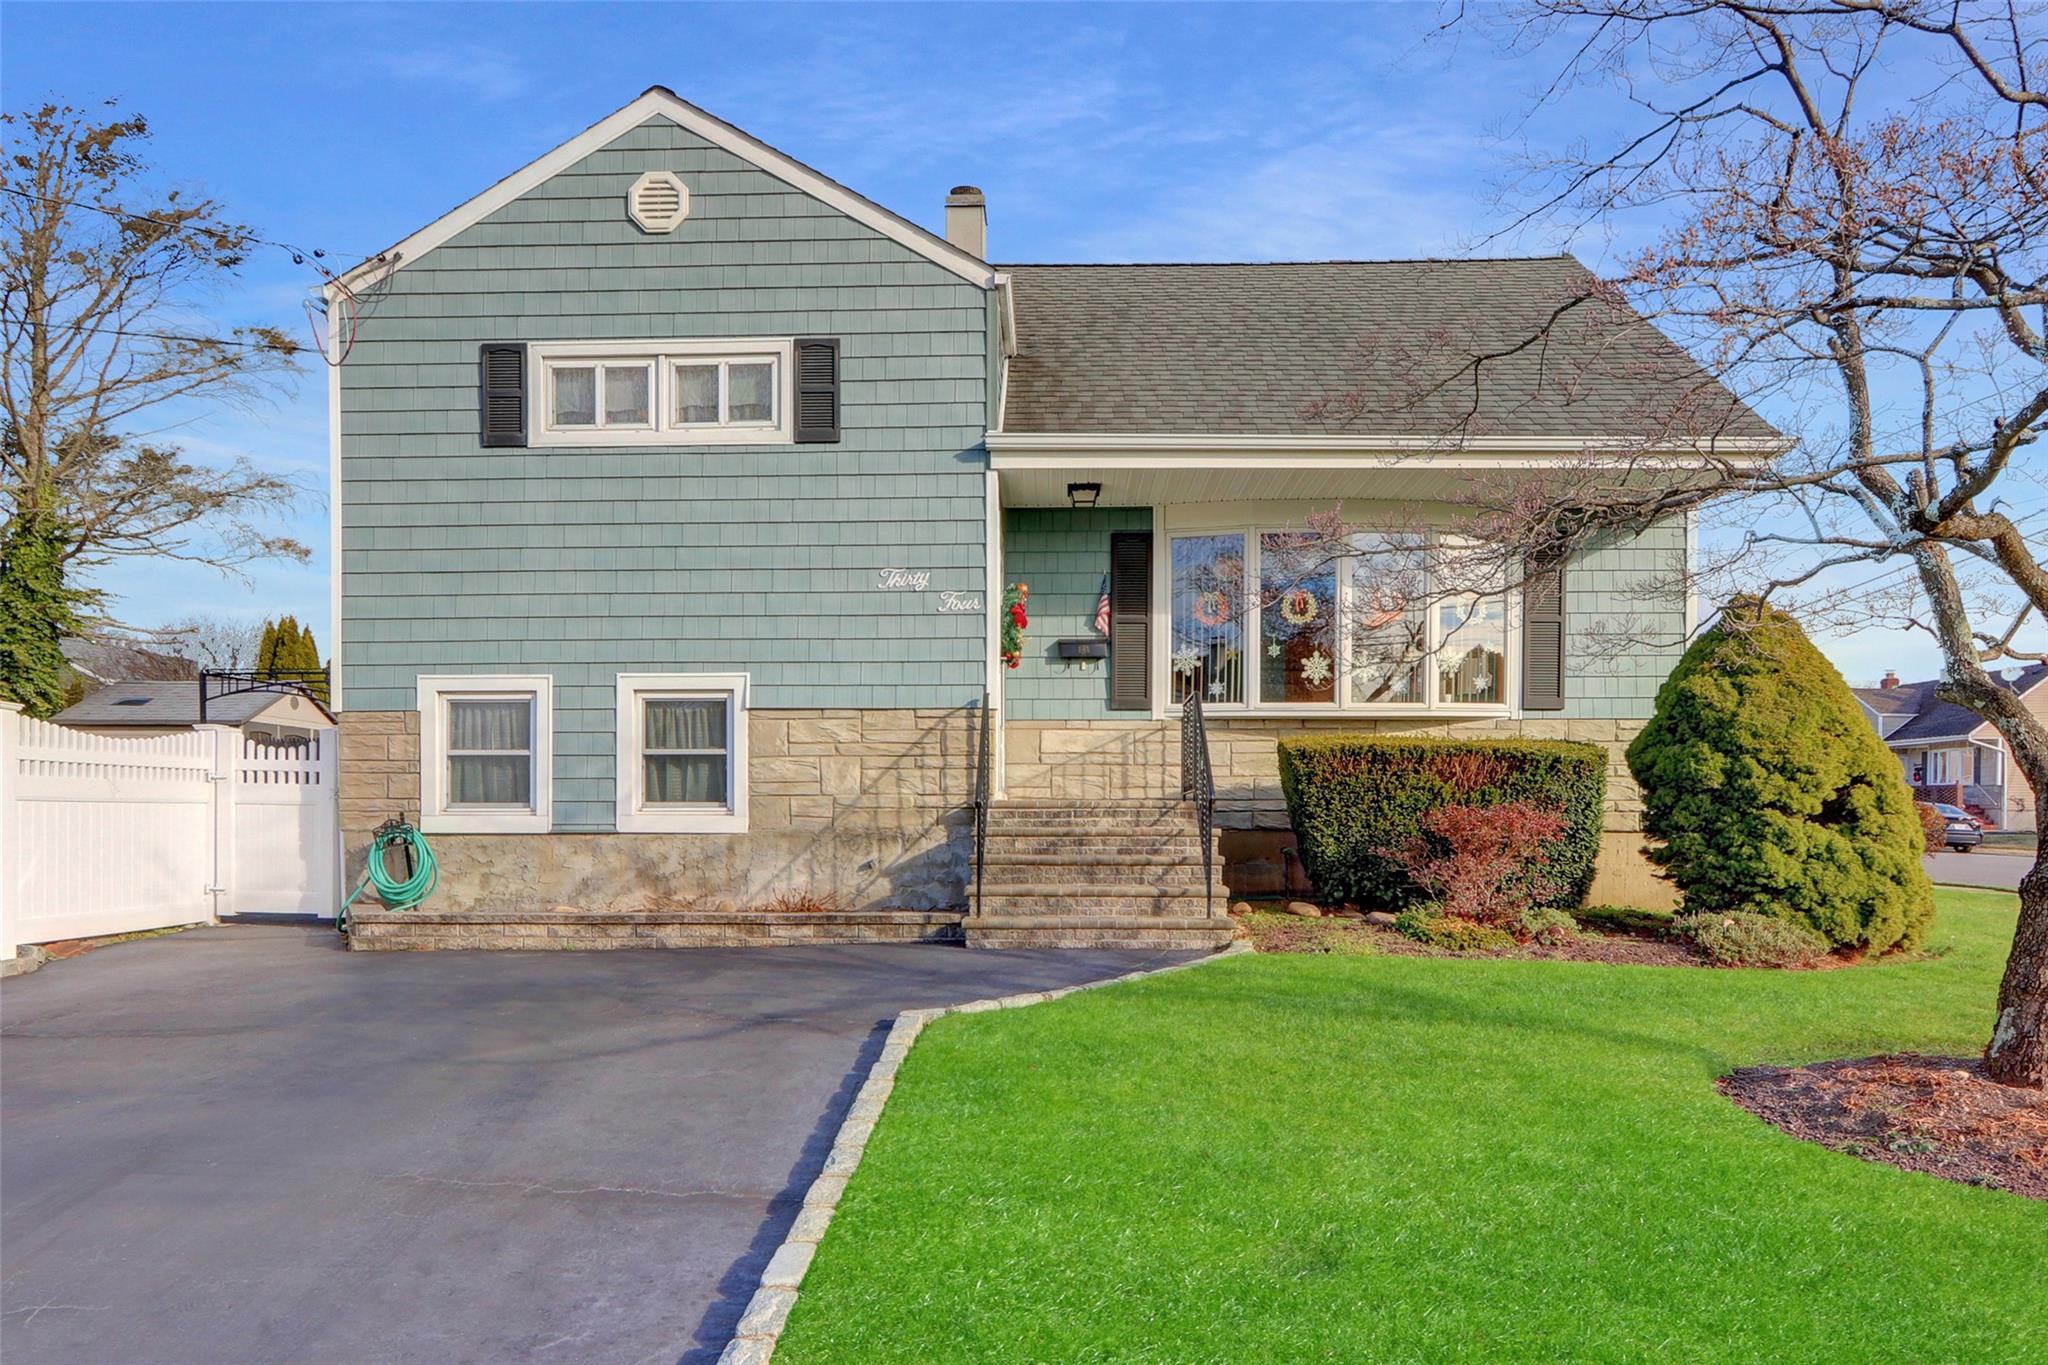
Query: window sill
[1219, 711]
[681, 822]
[635, 438]
[484, 822]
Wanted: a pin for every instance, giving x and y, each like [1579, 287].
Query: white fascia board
[334, 504]
[1006, 297]
[1129, 450]
[667, 104]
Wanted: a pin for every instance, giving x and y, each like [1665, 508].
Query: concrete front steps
[1105, 874]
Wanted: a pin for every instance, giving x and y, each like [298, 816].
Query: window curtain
[575, 397]
[697, 723]
[490, 779]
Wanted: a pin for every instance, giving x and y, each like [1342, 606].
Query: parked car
[1965, 831]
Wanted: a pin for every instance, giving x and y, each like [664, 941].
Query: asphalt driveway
[242, 1144]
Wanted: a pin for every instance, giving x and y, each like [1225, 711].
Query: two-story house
[678, 487]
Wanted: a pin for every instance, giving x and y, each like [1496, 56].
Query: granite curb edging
[767, 1312]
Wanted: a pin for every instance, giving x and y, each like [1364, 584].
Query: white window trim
[631, 815]
[662, 429]
[1341, 705]
[434, 692]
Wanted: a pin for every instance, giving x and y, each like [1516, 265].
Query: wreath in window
[1212, 608]
[1014, 620]
[1299, 607]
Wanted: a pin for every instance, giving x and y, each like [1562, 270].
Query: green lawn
[1392, 1159]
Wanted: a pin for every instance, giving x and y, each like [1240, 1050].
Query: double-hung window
[682, 763]
[485, 754]
[1381, 621]
[662, 392]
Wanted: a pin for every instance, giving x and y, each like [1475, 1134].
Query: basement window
[682, 754]
[486, 761]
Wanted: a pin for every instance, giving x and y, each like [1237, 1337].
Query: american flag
[1102, 610]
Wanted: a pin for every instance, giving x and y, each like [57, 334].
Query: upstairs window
[662, 393]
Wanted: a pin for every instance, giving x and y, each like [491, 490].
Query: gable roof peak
[662, 101]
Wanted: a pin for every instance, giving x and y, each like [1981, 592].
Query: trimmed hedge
[1352, 798]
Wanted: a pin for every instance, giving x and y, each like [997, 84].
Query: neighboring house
[676, 486]
[90, 664]
[276, 713]
[1948, 753]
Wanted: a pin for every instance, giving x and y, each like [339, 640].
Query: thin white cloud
[484, 73]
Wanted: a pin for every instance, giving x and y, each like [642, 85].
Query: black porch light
[1083, 494]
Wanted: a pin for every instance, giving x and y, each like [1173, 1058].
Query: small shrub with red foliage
[1487, 864]
[1934, 825]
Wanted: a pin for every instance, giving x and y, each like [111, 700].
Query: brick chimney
[967, 220]
[1889, 680]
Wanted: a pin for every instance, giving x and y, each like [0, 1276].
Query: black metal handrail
[984, 781]
[1198, 784]
[215, 683]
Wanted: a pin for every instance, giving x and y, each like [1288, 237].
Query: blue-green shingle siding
[1625, 621]
[1063, 554]
[582, 563]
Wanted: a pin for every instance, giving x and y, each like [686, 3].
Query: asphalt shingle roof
[162, 703]
[1226, 349]
[1934, 718]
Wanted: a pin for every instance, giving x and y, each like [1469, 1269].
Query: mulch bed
[1940, 1115]
[1278, 933]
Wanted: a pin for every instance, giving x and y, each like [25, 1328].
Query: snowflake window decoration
[1216, 690]
[1273, 650]
[1315, 669]
[1186, 659]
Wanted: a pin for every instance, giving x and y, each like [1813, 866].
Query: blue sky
[1099, 133]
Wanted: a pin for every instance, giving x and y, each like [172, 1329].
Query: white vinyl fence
[103, 835]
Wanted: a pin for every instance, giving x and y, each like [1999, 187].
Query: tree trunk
[2018, 1053]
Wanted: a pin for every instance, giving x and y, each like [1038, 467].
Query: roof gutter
[1142, 450]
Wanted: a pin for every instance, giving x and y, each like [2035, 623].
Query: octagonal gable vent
[659, 201]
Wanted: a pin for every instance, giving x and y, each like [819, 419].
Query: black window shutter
[1130, 621]
[1543, 636]
[817, 389]
[502, 393]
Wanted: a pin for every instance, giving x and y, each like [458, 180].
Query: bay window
[1386, 621]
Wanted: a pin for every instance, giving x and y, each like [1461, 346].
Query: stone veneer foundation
[1110, 759]
[868, 808]
[872, 809]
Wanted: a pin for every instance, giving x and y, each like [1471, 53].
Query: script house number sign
[920, 580]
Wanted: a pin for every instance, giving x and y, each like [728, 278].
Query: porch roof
[1246, 349]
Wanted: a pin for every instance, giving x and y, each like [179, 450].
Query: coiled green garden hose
[397, 893]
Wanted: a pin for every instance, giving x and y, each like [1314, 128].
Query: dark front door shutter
[1543, 636]
[1130, 621]
[817, 389]
[502, 393]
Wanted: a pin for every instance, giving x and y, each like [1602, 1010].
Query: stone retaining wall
[386, 931]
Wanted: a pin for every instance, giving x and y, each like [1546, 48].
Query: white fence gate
[104, 835]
